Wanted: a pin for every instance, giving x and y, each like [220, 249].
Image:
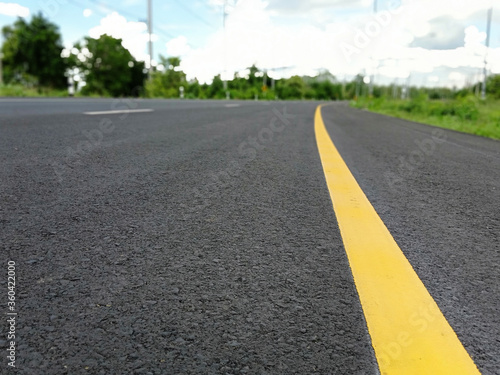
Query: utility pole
[485, 71]
[150, 31]
[273, 80]
[371, 60]
[1, 58]
[1, 67]
[224, 79]
[343, 87]
[477, 85]
[406, 89]
[358, 84]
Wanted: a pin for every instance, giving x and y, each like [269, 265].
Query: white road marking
[118, 112]
[50, 100]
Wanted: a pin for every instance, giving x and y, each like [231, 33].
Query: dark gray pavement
[438, 192]
[200, 238]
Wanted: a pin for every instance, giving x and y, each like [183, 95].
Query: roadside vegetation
[35, 64]
[17, 90]
[457, 110]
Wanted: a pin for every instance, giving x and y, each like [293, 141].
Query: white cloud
[455, 76]
[132, 2]
[133, 34]
[216, 3]
[87, 12]
[252, 37]
[301, 6]
[459, 9]
[380, 44]
[14, 10]
[178, 46]
[441, 33]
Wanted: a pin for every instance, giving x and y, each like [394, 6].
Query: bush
[416, 105]
[22, 91]
[466, 109]
[493, 86]
[440, 108]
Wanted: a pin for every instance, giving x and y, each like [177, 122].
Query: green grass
[42, 92]
[21, 91]
[468, 115]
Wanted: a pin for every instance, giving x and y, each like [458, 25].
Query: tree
[291, 88]
[194, 89]
[166, 84]
[493, 86]
[33, 50]
[109, 68]
[217, 88]
[326, 90]
[253, 80]
[172, 62]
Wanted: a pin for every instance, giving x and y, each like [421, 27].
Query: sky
[421, 42]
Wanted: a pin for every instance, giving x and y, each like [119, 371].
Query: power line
[112, 8]
[129, 15]
[194, 14]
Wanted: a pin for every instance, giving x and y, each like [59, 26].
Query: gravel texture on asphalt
[162, 243]
[438, 192]
[201, 239]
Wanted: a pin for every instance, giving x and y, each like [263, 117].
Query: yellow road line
[409, 333]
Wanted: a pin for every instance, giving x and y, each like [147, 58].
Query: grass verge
[21, 91]
[468, 115]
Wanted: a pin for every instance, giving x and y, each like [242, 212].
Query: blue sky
[429, 42]
[194, 19]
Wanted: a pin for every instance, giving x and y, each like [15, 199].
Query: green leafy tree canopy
[166, 84]
[33, 50]
[108, 67]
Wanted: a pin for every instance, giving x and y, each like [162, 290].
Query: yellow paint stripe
[409, 333]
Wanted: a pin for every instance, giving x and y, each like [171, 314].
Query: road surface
[199, 237]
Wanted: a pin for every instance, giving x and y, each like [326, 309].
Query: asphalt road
[200, 238]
